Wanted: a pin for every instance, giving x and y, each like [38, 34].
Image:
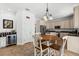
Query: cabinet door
[9, 37]
[72, 44]
[13, 39]
[2, 42]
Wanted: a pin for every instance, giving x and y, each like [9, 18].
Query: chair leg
[34, 52]
[54, 53]
[48, 51]
[62, 53]
[41, 53]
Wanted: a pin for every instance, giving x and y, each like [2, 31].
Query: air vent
[27, 9]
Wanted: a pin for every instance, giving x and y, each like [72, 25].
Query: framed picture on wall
[7, 24]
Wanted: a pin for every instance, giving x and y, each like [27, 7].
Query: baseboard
[24, 43]
[20, 43]
[27, 42]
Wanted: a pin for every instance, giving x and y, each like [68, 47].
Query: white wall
[28, 26]
[5, 14]
[25, 27]
[19, 27]
[37, 25]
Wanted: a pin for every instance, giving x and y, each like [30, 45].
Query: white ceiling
[56, 9]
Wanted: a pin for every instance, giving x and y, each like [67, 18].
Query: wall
[5, 14]
[25, 27]
[28, 26]
[38, 23]
[37, 26]
[19, 26]
[43, 22]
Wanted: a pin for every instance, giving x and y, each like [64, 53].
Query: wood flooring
[25, 50]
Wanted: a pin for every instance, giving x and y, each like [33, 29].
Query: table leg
[58, 34]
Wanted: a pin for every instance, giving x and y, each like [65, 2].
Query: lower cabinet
[73, 44]
[8, 40]
[2, 42]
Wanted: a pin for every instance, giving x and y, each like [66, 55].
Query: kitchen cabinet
[76, 17]
[8, 40]
[72, 44]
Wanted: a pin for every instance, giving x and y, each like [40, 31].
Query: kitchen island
[72, 43]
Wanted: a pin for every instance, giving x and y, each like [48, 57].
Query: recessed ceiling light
[9, 9]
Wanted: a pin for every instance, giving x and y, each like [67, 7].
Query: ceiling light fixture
[47, 15]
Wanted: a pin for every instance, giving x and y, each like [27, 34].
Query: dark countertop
[71, 31]
[74, 35]
[64, 30]
[4, 34]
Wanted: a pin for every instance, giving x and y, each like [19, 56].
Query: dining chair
[39, 48]
[57, 49]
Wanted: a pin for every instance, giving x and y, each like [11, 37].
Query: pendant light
[47, 15]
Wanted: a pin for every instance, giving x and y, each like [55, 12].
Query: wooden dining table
[49, 37]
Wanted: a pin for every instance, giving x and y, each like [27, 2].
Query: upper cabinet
[76, 17]
[65, 23]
